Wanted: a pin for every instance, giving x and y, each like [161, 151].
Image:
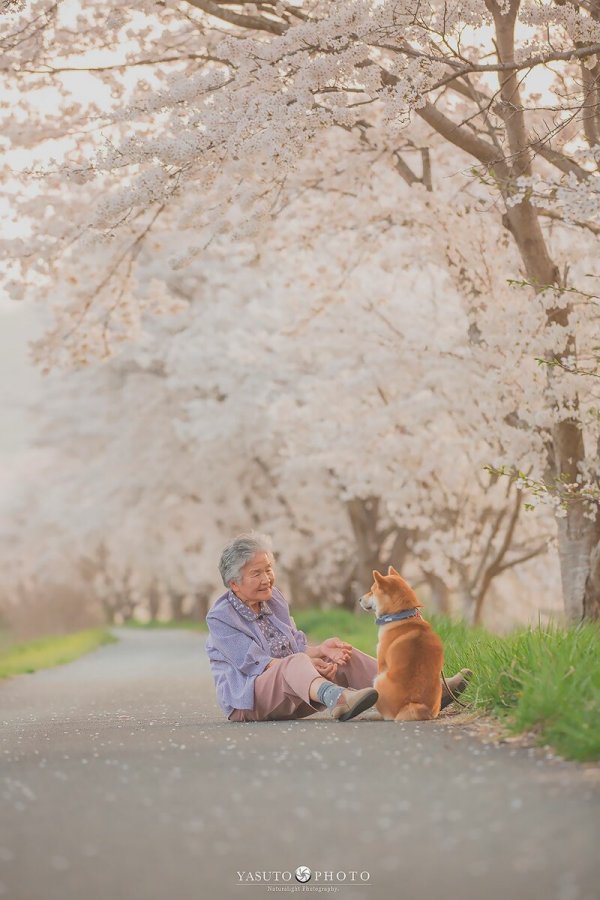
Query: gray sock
[328, 693]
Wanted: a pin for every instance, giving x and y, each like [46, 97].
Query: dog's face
[369, 600]
[389, 593]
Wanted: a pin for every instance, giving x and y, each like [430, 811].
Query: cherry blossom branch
[560, 161]
[530, 63]
[53, 70]
[485, 152]
[545, 287]
[552, 214]
[557, 363]
[562, 488]
[484, 102]
[131, 251]
[462, 69]
[256, 23]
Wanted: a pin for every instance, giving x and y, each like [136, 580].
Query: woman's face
[256, 580]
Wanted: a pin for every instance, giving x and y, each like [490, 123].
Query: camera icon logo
[303, 874]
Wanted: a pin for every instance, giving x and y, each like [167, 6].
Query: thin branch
[404, 170]
[53, 70]
[531, 63]
[255, 23]
[522, 559]
[562, 162]
[483, 151]
[551, 214]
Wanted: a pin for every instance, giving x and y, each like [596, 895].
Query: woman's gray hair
[240, 551]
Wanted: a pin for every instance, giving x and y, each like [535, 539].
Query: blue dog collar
[396, 617]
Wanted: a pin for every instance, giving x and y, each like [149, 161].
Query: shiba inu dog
[410, 655]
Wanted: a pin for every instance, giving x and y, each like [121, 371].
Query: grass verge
[544, 680]
[54, 650]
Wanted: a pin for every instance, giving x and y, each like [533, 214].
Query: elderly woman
[263, 667]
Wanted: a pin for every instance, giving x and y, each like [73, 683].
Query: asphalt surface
[121, 779]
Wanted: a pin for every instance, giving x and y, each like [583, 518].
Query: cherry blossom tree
[231, 120]
[350, 435]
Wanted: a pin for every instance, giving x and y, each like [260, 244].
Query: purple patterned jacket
[238, 649]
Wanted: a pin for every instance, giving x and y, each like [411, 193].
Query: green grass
[543, 679]
[46, 652]
[319, 624]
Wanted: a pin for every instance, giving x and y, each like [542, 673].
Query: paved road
[121, 780]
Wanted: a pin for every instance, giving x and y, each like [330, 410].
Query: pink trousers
[281, 691]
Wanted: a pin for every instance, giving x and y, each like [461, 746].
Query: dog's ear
[377, 577]
[392, 571]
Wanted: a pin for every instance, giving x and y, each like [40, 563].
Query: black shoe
[457, 684]
[351, 703]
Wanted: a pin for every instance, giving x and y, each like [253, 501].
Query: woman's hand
[324, 667]
[338, 651]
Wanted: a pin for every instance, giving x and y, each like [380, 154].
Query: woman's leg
[283, 691]
[359, 672]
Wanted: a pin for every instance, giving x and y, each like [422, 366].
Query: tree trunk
[440, 593]
[200, 609]
[578, 536]
[370, 546]
[177, 605]
[109, 611]
[591, 597]
[153, 601]
[579, 553]
[301, 595]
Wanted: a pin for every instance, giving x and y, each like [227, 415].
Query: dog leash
[456, 700]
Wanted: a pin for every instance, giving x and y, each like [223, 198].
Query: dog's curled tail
[414, 712]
